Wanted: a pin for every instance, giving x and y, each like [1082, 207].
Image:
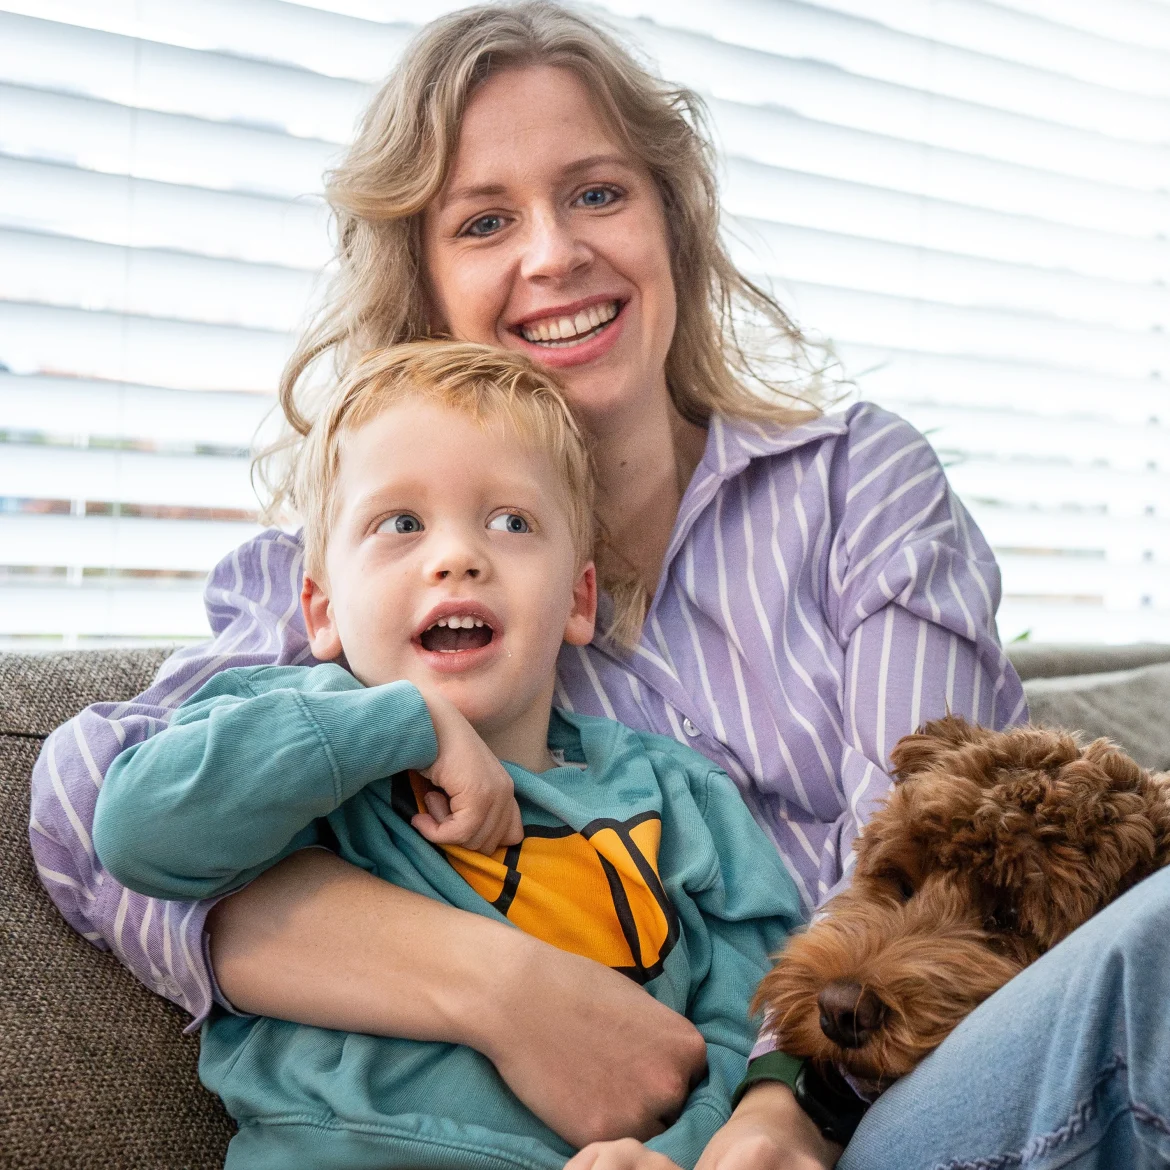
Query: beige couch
[94, 1069]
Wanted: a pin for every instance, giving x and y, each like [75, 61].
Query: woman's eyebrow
[488, 190]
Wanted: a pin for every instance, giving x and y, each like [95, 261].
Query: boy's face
[451, 565]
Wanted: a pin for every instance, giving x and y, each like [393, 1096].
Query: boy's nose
[457, 559]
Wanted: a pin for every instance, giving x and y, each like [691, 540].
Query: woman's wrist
[771, 1106]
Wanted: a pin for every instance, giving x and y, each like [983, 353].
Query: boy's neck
[524, 741]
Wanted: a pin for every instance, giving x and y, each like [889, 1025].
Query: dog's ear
[916, 753]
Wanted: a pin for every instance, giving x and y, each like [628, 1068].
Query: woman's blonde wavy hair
[722, 358]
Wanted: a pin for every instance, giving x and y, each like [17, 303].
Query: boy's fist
[474, 804]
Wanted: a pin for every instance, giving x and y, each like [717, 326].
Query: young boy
[447, 501]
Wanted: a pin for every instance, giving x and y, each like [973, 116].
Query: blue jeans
[1066, 1066]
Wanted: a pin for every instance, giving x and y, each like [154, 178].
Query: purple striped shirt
[824, 593]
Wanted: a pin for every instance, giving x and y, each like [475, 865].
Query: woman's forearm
[318, 941]
[321, 942]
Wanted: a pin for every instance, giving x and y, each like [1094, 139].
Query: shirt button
[690, 728]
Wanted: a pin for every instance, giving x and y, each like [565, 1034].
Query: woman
[789, 592]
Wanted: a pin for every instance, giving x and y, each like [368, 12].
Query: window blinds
[970, 200]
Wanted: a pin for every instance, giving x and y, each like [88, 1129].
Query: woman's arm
[912, 594]
[587, 1050]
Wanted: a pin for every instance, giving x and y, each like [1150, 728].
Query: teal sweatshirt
[645, 859]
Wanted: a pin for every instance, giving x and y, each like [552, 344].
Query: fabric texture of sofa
[95, 1070]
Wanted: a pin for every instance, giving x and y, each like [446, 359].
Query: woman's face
[550, 238]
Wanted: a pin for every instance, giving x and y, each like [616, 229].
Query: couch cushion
[1056, 660]
[94, 1069]
[1131, 707]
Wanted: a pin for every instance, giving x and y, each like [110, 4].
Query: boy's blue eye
[509, 522]
[404, 522]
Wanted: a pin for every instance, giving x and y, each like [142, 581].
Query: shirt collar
[732, 443]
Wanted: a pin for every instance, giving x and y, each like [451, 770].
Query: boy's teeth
[459, 622]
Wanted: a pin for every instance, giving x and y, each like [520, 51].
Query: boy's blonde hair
[498, 389]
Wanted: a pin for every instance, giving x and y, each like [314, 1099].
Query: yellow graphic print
[595, 893]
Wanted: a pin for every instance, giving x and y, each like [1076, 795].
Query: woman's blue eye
[597, 196]
[486, 225]
[404, 522]
[509, 522]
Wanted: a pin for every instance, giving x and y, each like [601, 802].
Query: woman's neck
[644, 464]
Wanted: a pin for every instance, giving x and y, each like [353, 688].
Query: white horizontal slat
[1046, 34]
[946, 278]
[897, 376]
[150, 351]
[48, 55]
[948, 170]
[140, 610]
[117, 209]
[847, 317]
[1056, 485]
[203, 481]
[870, 48]
[832, 95]
[118, 543]
[1141, 24]
[1054, 621]
[147, 414]
[36, 471]
[1016, 434]
[72, 273]
[1118, 539]
[800, 199]
[102, 136]
[1117, 584]
[291, 33]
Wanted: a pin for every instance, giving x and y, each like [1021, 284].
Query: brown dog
[991, 848]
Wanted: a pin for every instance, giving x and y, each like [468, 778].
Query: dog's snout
[850, 1014]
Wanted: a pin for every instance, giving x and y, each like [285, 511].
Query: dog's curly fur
[990, 849]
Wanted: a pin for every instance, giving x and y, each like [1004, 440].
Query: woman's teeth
[561, 331]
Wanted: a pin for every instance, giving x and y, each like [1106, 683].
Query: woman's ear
[324, 640]
[583, 616]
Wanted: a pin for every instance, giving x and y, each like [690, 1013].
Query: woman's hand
[475, 804]
[769, 1131]
[588, 1051]
[624, 1154]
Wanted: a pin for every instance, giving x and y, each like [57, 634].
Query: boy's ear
[324, 640]
[583, 616]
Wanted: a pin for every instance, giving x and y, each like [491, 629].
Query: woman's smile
[572, 335]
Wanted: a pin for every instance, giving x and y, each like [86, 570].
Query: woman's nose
[551, 249]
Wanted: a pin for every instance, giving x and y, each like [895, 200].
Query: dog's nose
[850, 1014]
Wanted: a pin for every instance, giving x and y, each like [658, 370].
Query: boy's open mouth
[458, 632]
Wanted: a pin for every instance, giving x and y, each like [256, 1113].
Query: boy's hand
[623, 1154]
[476, 806]
[769, 1131]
